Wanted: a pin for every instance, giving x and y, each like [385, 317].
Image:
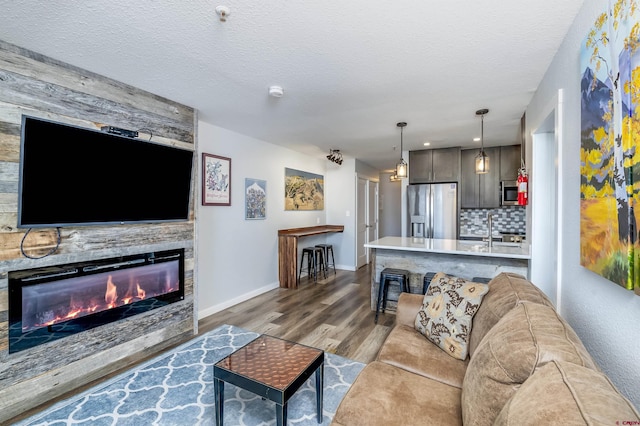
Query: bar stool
[328, 249]
[387, 276]
[315, 257]
[427, 280]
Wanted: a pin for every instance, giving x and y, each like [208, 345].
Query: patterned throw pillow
[447, 312]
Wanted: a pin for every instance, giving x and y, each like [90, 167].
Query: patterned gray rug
[176, 388]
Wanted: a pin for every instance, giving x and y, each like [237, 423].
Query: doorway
[366, 218]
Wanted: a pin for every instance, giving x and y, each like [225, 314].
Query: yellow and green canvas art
[610, 138]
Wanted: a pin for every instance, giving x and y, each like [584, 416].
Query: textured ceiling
[350, 69]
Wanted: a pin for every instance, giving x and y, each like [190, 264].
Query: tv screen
[73, 176]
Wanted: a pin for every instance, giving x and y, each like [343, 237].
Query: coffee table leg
[319, 390]
[281, 414]
[218, 392]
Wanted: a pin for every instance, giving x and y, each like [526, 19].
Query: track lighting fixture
[335, 156]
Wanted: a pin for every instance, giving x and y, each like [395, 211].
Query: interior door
[361, 222]
[372, 215]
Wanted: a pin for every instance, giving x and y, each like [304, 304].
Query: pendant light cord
[482, 133]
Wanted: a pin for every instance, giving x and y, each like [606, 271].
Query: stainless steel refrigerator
[433, 210]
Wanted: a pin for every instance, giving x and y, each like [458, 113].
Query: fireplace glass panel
[50, 303]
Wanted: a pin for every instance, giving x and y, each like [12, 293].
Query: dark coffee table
[271, 368]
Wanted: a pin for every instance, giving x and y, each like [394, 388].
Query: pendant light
[401, 167]
[482, 160]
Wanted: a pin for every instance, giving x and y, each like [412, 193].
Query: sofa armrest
[408, 306]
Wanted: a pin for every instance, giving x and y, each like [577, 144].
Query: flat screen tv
[71, 176]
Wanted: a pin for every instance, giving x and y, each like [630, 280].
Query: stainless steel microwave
[509, 193]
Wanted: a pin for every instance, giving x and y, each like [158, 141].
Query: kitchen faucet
[490, 226]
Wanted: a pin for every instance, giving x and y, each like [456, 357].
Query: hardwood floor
[333, 314]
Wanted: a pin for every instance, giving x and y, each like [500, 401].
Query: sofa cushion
[408, 306]
[567, 394]
[506, 290]
[408, 349]
[386, 395]
[526, 338]
[447, 312]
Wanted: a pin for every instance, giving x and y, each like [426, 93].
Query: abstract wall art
[303, 190]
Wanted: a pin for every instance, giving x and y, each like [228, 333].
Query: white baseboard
[346, 267]
[224, 305]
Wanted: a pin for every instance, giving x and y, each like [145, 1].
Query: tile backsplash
[510, 219]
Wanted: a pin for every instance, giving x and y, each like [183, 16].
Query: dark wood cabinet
[434, 165]
[480, 191]
[509, 162]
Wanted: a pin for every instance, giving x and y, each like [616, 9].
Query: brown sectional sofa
[525, 366]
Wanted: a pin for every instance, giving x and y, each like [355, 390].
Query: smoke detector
[276, 91]
[223, 12]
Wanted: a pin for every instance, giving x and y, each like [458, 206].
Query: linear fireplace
[51, 303]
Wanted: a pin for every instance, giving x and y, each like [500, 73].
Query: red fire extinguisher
[523, 190]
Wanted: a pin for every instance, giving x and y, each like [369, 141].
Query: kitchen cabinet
[509, 162]
[434, 165]
[479, 190]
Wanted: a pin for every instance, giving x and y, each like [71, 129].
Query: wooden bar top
[310, 230]
[288, 250]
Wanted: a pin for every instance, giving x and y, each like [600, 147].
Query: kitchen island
[466, 259]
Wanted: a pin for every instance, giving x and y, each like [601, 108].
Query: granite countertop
[468, 248]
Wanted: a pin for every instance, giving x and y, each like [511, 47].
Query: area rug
[176, 388]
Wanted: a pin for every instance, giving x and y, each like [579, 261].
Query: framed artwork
[216, 180]
[609, 146]
[255, 199]
[303, 190]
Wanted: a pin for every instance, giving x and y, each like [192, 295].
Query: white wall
[390, 207]
[340, 203]
[238, 259]
[605, 316]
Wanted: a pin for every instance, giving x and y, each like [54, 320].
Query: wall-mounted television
[72, 176]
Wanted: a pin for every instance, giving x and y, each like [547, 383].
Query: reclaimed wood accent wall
[36, 85]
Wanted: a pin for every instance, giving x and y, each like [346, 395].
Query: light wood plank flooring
[332, 314]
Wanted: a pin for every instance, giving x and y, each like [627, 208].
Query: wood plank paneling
[36, 85]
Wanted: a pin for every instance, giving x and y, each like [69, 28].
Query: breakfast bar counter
[466, 259]
[288, 250]
[453, 247]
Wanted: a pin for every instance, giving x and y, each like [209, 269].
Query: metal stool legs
[315, 260]
[328, 249]
[388, 275]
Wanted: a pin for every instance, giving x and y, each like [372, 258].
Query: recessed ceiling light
[276, 91]
[476, 139]
[427, 143]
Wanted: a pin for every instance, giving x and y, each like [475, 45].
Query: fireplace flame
[89, 300]
[141, 293]
[112, 293]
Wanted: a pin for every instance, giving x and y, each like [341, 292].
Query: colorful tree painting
[609, 155]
